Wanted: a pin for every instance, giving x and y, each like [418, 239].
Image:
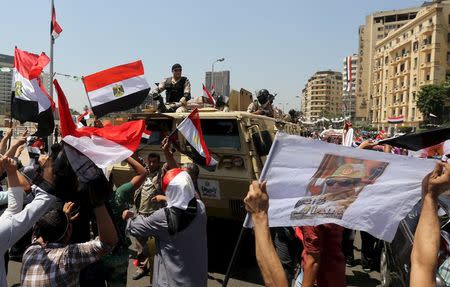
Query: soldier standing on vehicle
[178, 90]
[263, 104]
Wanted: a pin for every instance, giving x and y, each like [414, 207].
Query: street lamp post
[212, 71]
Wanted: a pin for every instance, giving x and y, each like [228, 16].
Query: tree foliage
[431, 99]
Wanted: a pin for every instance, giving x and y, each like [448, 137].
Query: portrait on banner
[335, 185]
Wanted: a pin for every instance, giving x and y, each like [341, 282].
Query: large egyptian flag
[191, 129]
[116, 89]
[30, 101]
[103, 146]
[55, 29]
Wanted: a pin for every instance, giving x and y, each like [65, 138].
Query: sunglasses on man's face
[342, 181]
[177, 70]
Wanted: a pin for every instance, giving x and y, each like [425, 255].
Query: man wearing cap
[178, 89]
[180, 233]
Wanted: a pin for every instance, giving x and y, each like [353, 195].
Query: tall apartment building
[221, 81]
[349, 79]
[322, 95]
[6, 64]
[376, 28]
[416, 54]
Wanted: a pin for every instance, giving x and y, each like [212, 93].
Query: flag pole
[52, 41]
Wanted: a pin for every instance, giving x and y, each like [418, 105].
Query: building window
[415, 62]
[430, 20]
[428, 57]
[415, 46]
[413, 113]
[448, 37]
[449, 19]
[448, 56]
[420, 27]
[427, 77]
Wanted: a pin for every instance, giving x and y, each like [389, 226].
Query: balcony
[429, 64]
[425, 47]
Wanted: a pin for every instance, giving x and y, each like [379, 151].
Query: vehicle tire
[385, 274]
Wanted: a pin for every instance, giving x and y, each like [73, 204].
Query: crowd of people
[79, 233]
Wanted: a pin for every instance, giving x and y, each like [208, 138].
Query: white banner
[310, 182]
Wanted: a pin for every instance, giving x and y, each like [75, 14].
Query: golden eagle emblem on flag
[18, 88]
[118, 91]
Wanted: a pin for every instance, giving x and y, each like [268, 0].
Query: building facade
[349, 79]
[414, 55]
[376, 28]
[221, 81]
[6, 65]
[322, 96]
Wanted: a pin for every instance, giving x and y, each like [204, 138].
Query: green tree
[431, 99]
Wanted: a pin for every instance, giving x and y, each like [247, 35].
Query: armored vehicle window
[221, 133]
[160, 128]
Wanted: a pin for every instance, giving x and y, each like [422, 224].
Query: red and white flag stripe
[191, 129]
[349, 74]
[116, 89]
[55, 29]
[394, 120]
[104, 146]
[209, 95]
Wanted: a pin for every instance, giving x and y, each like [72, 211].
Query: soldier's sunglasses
[342, 181]
[176, 70]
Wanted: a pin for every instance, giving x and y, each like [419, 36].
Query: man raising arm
[424, 255]
[257, 204]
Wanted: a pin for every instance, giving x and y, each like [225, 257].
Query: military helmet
[263, 96]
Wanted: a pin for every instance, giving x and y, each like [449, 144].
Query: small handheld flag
[191, 129]
[209, 95]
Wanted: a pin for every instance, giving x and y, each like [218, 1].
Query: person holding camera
[263, 104]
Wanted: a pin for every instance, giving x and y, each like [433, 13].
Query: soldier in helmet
[178, 90]
[263, 104]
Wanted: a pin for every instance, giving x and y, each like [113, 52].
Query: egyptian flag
[30, 101]
[116, 89]
[191, 129]
[103, 146]
[81, 119]
[55, 29]
[209, 95]
[348, 61]
[146, 136]
[396, 120]
[418, 141]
